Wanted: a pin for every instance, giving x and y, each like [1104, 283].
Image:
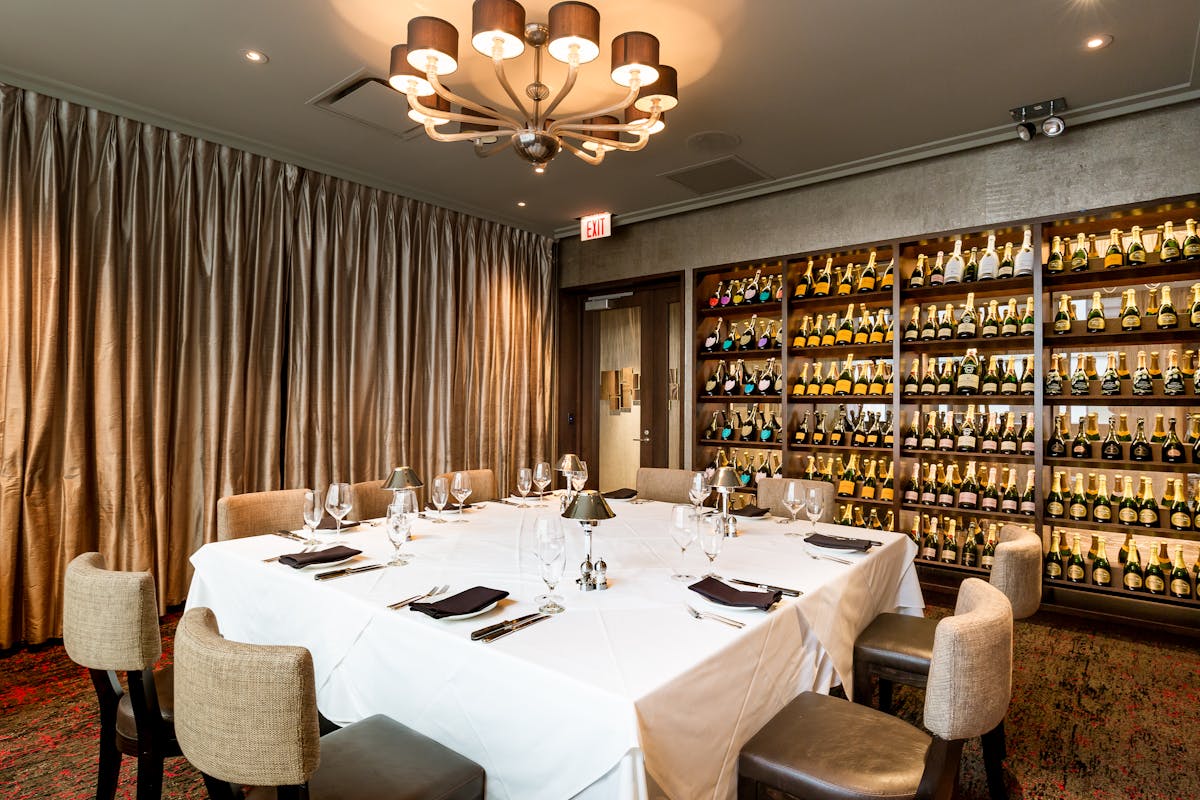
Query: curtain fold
[183, 321]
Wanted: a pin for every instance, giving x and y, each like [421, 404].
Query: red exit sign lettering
[595, 226]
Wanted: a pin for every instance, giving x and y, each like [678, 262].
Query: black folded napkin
[621, 494]
[326, 556]
[839, 542]
[750, 511]
[726, 595]
[449, 506]
[328, 523]
[466, 602]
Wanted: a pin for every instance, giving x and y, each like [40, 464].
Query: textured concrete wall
[1123, 160]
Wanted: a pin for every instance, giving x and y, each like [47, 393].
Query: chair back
[667, 485]
[483, 485]
[256, 513]
[771, 491]
[244, 713]
[110, 619]
[371, 500]
[1017, 570]
[970, 672]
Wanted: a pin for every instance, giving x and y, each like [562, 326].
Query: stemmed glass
[524, 484]
[579, 478]
[439, 495]
[313, 512]
[793, 500]
[460, 487]
[712, 536]
[338, 503]
[541, 479]
[399, 524]
[552, 557]
[683, 531]
[814, 506]
[699, 491]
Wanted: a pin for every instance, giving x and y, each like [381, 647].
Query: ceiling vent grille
[717, 175]
[370, 102]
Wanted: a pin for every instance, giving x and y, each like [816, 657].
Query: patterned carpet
[1095, 714]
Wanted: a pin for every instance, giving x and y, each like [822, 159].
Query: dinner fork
[816, 557]
[706, 615]
[434, 592]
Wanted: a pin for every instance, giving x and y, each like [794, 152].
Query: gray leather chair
[771, 490]
[256, 513]
[824, 748]
[247, 715]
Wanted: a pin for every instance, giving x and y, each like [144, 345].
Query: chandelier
[571, 36]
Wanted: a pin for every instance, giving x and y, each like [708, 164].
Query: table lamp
[588, 508]
[402, 478]
[725, 481]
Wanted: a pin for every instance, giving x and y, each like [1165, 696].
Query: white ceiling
[813, 88]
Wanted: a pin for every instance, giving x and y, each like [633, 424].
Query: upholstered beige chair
[1018, 568]
[247, 715]
[667, 485]
[483, 485]
[371, 500]
[770, 496]
[110, 625]
[256, 513]
[821, 748]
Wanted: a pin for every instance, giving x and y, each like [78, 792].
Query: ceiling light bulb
[1025, 131]
[1053, 125]
[521, 203]
[1098, 41]
[255, 56]
[539, 170]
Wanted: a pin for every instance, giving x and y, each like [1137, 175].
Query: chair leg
[750, 789]
[994, 752]
[885, 695]
[108, 768]
[217, 790]
[862, 683]
[149, 776]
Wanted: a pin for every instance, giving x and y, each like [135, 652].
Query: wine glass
[793, 501]
[541, 478]
[439, 495]
[313, 513]
[552, 557]
[699, 491]
[579, 477]
[460, 487]
[338, 503]
[712, 536]
[814, 506]
[524, 484]
[399, 526]
[683, 531]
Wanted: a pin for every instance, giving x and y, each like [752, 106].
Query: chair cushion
[379, 758]
[897, 641]
[164, 685]
[824, 748]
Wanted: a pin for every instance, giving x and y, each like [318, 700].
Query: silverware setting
[499, 626]
[768, 587]
[416, 598]
[510, 503]
[516, 626]
[822, 557]
[715, 617]
[341, 573]
[295, 537]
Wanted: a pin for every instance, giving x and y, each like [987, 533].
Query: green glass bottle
[1180, 587]
[1076, 569]
[1132, 578]
[1052, 566]
[1101, 571]
[1153, 578]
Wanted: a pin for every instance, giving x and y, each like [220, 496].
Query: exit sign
[595, 226]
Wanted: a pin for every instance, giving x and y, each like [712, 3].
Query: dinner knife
[501, 634]
[768, 587]
[340, 573]
[289, 535]
[499, 626]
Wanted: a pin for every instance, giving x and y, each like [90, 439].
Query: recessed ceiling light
[539, 170]
[255, 56]
[1098, 41]
[521, 203]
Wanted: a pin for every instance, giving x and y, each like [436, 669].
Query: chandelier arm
[486, 151]
[627, 127]
[591, 158]
[467, 136]
[490, 113]
[498, 63]
[628, 147]
[630, 96]
[454, 116]
[568, 85]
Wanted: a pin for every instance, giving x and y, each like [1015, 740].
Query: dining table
[625, 695]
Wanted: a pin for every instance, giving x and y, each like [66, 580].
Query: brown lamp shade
[574, 24]
[401, 74]
[403, 478]
[430, 37]
[612, 136]
[725, 478]
[633, 114]
[665, 90]
[588, 506]
[635, 51]
[498, 19]
[434, 104]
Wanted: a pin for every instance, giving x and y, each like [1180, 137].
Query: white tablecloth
[622, 696]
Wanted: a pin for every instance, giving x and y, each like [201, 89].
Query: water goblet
[313, 514]
[338, 503]
[711, 538]
[399, 525]
[460, 487]
[683, 532]
[524, 484]
[552, 557]
[814, 506]
[541, 478]
[793, 500]
[579, 478]
[440, 494]
[698, 491]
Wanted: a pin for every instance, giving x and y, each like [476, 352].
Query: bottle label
[949, 555]
[1111, 451]
[1127, 515]
[1101, 576]
[1155, 584]
[1131, 322]
[1140, 451]
[1142, 385]
[1080, 385]
[1007, 506]
[1027, 447]
[945, 443]
[1081, 450]
[1054, 508]
[1174, 384]
[911, 495]
[1148, 517]
[842, 386]
[886, 493]
[1102, 512]
[845, 488]
[968, 380]
[1053, 569]
[1008, 446]
[1180, 587]
[910, 442]
[1095, 324]
[1167, 319]
[989, 446]
[1133, 580]
[1027, 507]
[966, 442]
[1181, 520]
[943, 388]
[1111, 384]
[967, 499]
[843, 336]
[868, 492]
[1061, 325]
[929, 553]
[1078, 511]
[928, 498]
[945, 499]
[1075, 573]
[987, 561]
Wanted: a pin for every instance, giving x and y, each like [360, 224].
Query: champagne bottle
[937, 273]
[1024, 259]
[947, 435]
[990, 327]
[1139, 449]
[1028, 323]
[1160, 432]
[1010, 325]
[1053, 384]
[929, 546]
[1114, 256]
[969, 374]
[1191, 243]
[1178, 514]
[1155, 580]
[1062, 319]
[912, 383]
[1077, 507]
[1052, 563]
[912, 331]
[1132, 579]
[1079, 256]
[1131, 320]
[945, 485]
[1081, 445]
[989, 384]
[887, 435]
[1075, 566]
[804, 284]
[749, 334]
[1028, 497]
[968, 491]
[818, 431]
[1010, 500]
[887, 491]
[1148, 507]
[1102, 503]
[971, 270]
[714, 428]
[888, 278]
[1005, 268]
[1009, 441]
[1055, 263]
[917, 279]
[947, 324]
[1055, 505]
[1142, 382]
[929, 330]
[1180, 587]
[989, 262]
[845, 331]
[955, 265]
[845, 381]
[949, 544]
[767, 340]
[987, 558]
[829, 335]
[945, 383]
[1010, 384]
[848, 480]
[769, 428]
[1028, 436]
[1056, 446]
[1172, 449]
[1135, 253]
[1080, 385]
[911, 491]
[1168, 249]
[989, 497]
[713, 340]
[713, 383]
[812, 334]
[845, 285]
[771, 288]
[748, 425]
[1101, 571]
[750, 292]
[870, 484]
[824, 282]
[929, 435]
[1095, 317]
[1173, 380]
[739, 292]
[868, 278]
[802, 432]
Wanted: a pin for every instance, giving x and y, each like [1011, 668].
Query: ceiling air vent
[371, 102]
[717, 175]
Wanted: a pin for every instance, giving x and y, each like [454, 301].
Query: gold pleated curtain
[181, 321]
